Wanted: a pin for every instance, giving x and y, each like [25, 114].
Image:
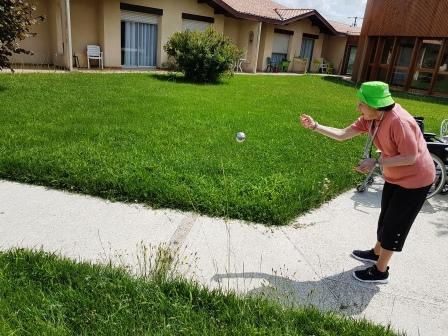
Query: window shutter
[280, 44]
[194, 25]
[139, 17]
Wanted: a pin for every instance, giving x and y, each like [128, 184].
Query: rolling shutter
[280, 44]
[194, 25]
[139, 17]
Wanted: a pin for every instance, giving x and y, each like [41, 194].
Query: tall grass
[143, 138]
[43, 294]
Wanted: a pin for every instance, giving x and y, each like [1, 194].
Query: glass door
[306, 50]
[350, 60]
[138, 44]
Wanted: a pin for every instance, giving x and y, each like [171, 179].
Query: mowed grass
[43, 294]
[143, 138]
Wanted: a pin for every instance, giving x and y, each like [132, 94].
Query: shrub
[202, 56]
[16, 21]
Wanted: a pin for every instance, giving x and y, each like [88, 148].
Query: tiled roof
[262, 8]
[289, 13]
[345, 28]
[271, 10]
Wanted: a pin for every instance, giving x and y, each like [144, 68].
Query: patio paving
[306, 262]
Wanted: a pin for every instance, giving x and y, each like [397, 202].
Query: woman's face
[367, 112]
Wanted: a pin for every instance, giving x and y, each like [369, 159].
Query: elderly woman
[407, 166]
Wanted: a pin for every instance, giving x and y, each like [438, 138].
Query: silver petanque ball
[240, 137]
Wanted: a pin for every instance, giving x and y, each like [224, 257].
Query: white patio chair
[324, 66]
[94, 52]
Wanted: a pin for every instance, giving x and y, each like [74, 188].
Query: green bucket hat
[375, 94]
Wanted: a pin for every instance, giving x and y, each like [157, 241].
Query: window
[443, 69]
[193, 22]
[194, 25]
[386, 55]
[421, 80]
[139, 36]
[280, 47]
[428, 53]
[441, 83]
[403, 61]
[405, 47]
[426, 61]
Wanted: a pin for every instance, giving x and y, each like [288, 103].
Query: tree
[16, 19]
[202, 56]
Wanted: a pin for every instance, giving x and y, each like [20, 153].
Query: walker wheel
[444, 190]
[360, 188]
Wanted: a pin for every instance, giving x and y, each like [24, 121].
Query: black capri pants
[399, 208]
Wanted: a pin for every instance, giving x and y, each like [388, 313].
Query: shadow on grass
[175, 77]
[2, 88]
[340, 81]
[340, 292]
[396, 94]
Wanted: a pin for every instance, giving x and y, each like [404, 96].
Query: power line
[355, 18]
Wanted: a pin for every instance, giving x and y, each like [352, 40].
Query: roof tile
[272, 10]
[262, 8]
[345, 28]
[289, 13]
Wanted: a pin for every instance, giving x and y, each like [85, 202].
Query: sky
[336, 10]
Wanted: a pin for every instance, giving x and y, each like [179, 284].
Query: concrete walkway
[306, 262]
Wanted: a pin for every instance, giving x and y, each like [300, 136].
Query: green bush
[202, 56]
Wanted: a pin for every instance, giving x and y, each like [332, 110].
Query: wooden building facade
[405, 43]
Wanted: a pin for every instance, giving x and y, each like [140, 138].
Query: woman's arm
[398, 160]
[331, 132]
[367, 165]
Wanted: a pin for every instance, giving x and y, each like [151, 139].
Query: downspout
[258, 47]
[68, 29]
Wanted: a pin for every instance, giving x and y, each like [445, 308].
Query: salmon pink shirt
[399, 134]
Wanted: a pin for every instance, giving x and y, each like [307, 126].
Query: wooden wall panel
[426, 18]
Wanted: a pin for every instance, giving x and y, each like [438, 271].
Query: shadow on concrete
[371, 198]
[435, 204]
[340, 292]
[438, 203]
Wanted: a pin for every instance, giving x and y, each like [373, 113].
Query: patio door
[350, 60]
[306, 50]
[138, 39]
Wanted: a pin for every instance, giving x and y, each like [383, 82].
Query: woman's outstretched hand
[366, 165]
[307, 121]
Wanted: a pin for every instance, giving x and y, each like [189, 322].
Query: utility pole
[355, 18]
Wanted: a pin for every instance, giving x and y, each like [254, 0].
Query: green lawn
[142, 138]
[42, 294]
